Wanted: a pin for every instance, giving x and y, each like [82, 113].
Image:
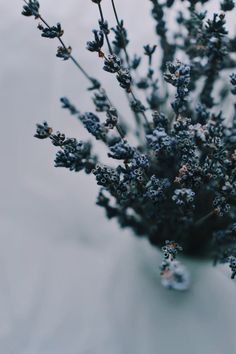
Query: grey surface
[70, 281]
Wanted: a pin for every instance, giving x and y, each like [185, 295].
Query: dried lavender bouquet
[179, 179]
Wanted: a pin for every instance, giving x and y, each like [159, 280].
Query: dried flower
[177, 174]
[51, 32]
[112, 118]
[173, 274]
[121, 38]
[64, 53]
[68, 105]
[31, 8]
[149, 51]
[227, 5]
[43, 131]
[124, 78]
[233, 82]
[112, 64]
[97, 43]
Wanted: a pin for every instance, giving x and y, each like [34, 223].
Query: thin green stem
[71, 56]
[115, 12]
[143, 113]
[106, 35]
[204, 218]
[126, 55]
[120, 131]
[64, 46]
[121, 30]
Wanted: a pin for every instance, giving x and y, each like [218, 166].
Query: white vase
[150, 319]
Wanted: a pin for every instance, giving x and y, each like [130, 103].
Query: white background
[70, 281]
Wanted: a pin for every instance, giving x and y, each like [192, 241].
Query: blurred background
[70, 281]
